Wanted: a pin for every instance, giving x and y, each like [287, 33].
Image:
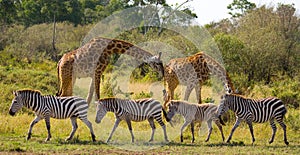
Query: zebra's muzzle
[98, 121]
[11, 113]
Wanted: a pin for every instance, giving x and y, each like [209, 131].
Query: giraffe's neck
[216, 69]
[122, 47]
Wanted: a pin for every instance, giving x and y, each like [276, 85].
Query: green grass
[13, 132]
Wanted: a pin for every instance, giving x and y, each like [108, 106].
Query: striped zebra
[193, 113]
[131, 110]
[51, 106]
[251, 110]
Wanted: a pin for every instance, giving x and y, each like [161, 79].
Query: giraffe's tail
[58, 78]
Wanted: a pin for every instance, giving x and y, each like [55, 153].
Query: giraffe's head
[156, 64]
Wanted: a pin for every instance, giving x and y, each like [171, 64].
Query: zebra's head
[17, 103]
[173, 107]
[224, 106]
[100, 111]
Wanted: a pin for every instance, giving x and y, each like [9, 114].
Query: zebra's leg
[128, 121]
[36, 119]
[163, 126]
[274, 128]
[249, 122]
[74, 128]
[280, 121]
[192, 130]
[186, 123]
[219, 125]
[47, 120]
[90, 126]
[236, 124]
[151, 122]
[209, 126]
[118, 120]
[188, 91]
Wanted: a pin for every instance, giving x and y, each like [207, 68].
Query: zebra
[51, 106]
[131, 110]
[193, 113]
[251, 110]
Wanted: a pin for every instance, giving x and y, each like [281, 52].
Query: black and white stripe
[258, 111]
[51, 106]
[193, 113]
[131, 110]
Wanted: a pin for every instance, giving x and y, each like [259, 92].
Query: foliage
[143, 95]
[37, 76]
[240, 7]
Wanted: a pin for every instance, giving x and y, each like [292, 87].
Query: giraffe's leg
[198, 92]
[236, 124]
[36, 119]
[188, 91]
[47, 120]
[118, 120]
[151, 122]
[170, 93]
[91, 91]
[274, 128]
[74, 128]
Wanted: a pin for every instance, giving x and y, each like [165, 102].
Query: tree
[239, 7]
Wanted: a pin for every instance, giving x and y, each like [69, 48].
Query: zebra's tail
[165, 115]
[221, 120]
[167, 119]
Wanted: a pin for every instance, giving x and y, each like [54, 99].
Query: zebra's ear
[15, 93]
[159, 55]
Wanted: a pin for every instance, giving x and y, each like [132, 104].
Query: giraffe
[91, 60]
[192, 72]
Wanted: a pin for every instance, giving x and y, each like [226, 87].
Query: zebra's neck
[110, 104]
[235, 102]
[33, 101]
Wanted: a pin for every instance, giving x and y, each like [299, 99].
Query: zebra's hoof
[286, 142]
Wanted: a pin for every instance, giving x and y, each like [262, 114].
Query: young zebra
[251, 110]
[193, 113]
[131, 110]
[51, 106]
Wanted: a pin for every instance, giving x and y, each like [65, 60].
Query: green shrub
[143, 95]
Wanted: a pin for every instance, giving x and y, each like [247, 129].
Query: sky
[215, 10]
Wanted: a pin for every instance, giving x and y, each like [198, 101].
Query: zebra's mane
[30, 91]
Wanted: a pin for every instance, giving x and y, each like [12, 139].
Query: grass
[13, 132]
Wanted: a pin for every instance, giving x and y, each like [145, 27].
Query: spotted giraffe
[91, 60]
[192, 72]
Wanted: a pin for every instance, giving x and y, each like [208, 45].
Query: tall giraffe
[192, 72]
[91, 60]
